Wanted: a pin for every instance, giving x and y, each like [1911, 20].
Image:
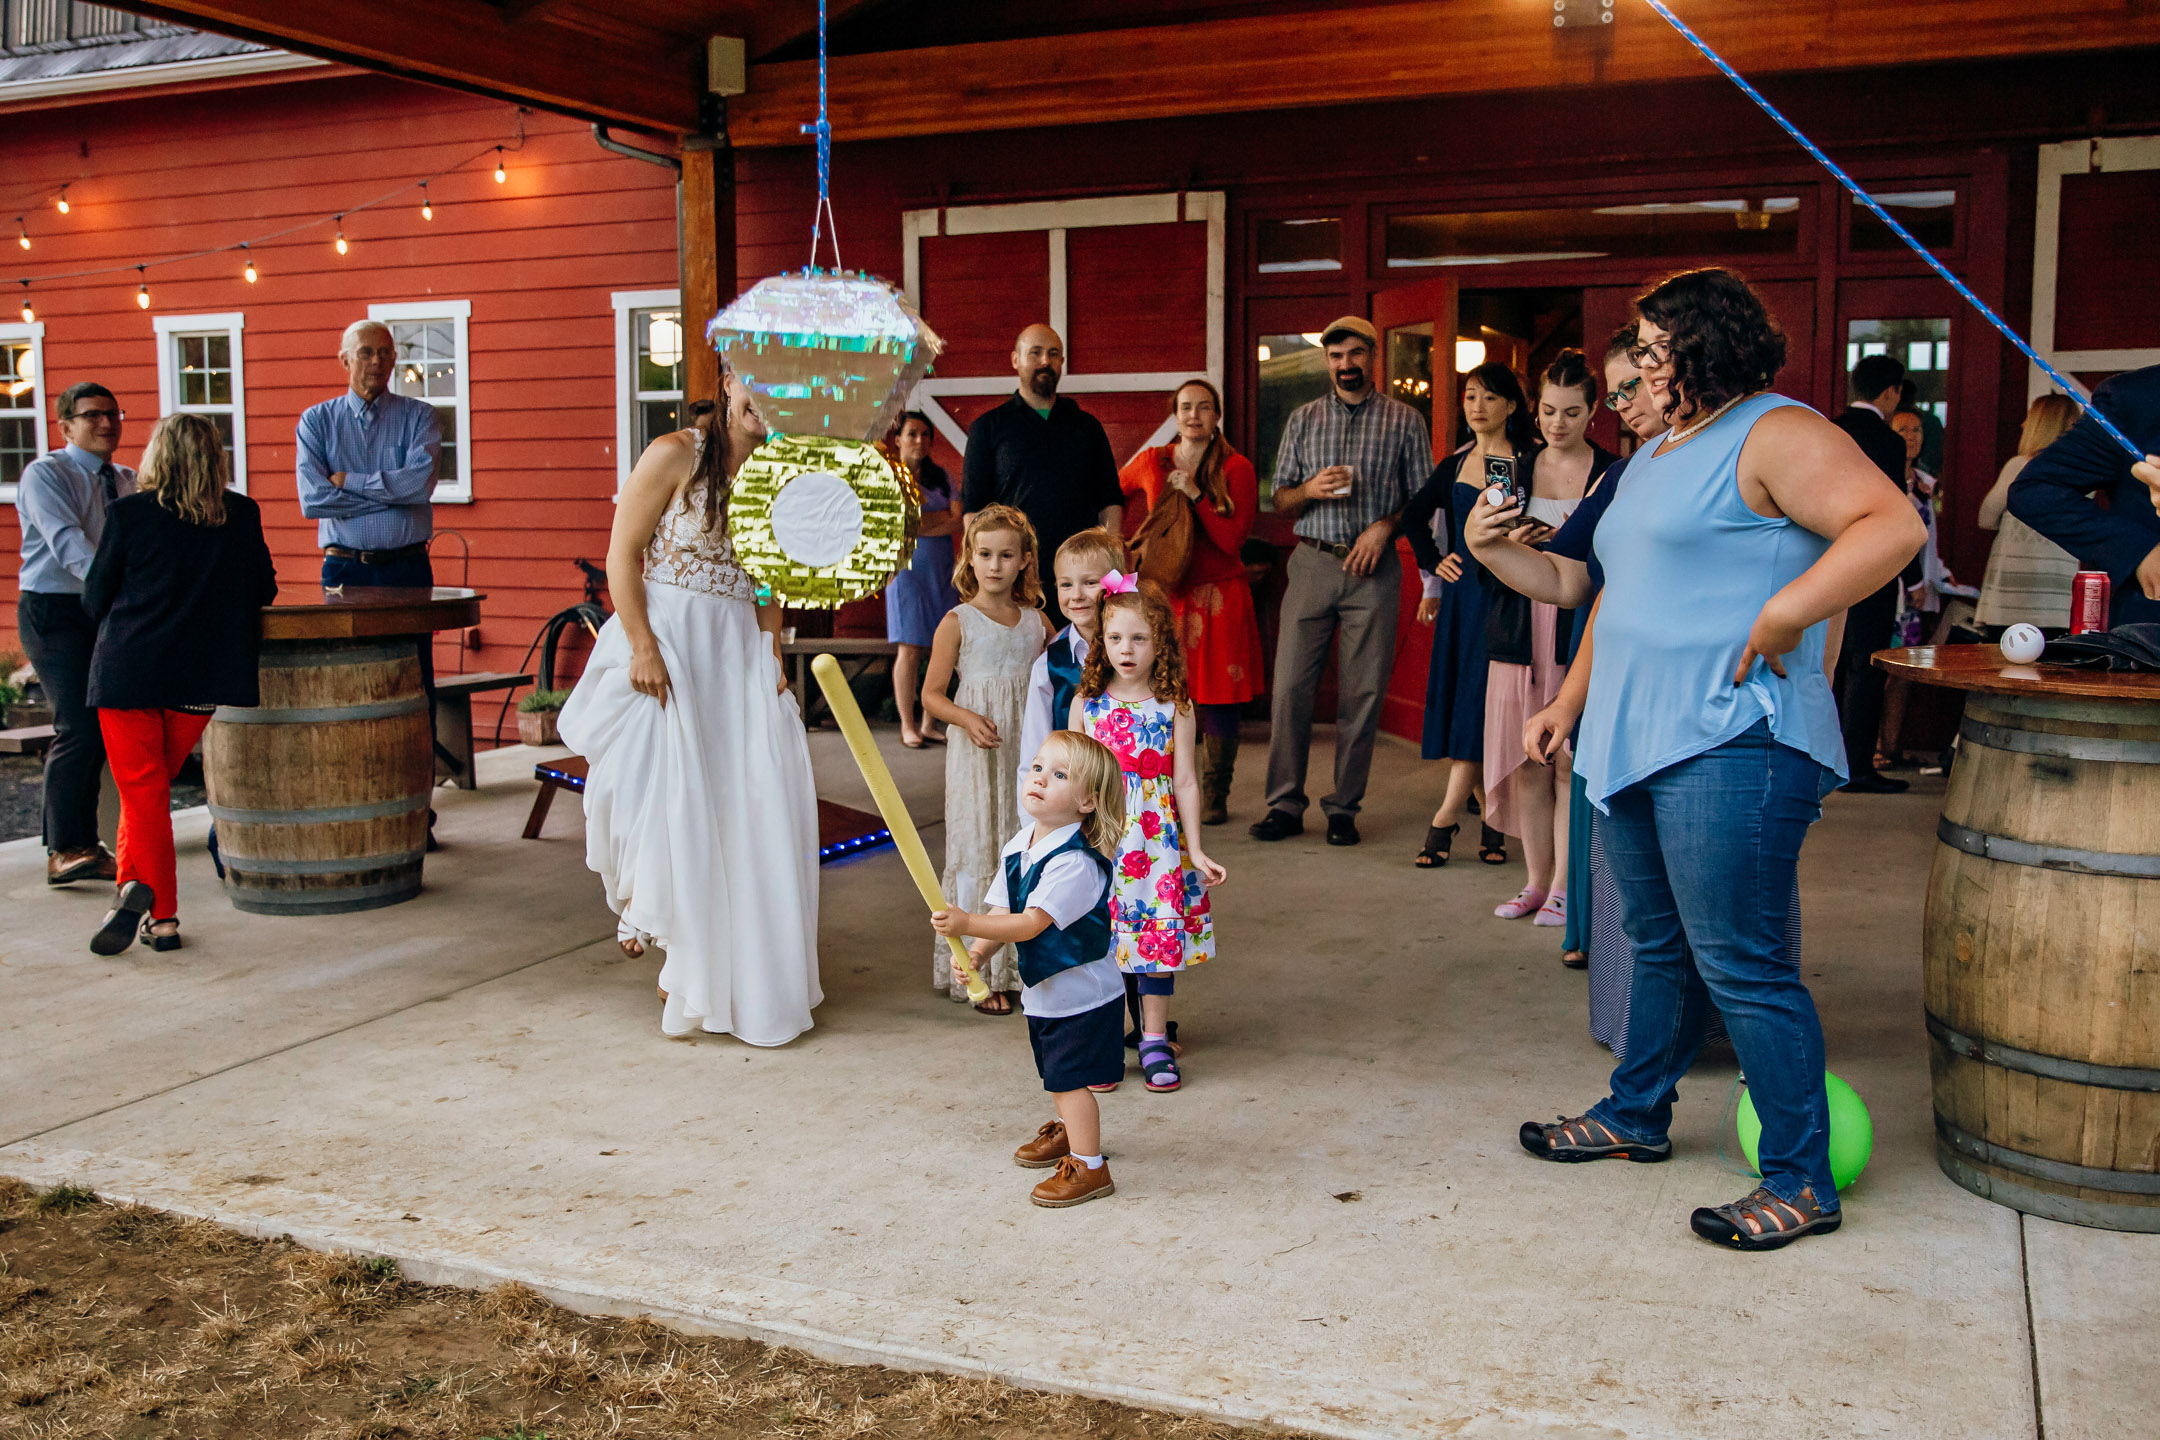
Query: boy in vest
[1051, 901]
[1080, 565]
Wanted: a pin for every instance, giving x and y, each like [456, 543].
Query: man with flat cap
[1043, 455]
[1349, 463]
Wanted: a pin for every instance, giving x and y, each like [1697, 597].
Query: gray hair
[354, 331]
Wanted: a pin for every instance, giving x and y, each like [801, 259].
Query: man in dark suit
[2054, 494]
[1877, 385]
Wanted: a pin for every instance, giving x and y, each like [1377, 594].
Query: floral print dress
[1159, 913]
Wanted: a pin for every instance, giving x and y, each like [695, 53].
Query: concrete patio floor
[1331, 1227]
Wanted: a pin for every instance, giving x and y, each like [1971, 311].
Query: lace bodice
[684, 553]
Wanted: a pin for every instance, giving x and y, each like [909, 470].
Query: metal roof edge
[143, 77]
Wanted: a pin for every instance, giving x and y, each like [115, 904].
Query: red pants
[146, 749]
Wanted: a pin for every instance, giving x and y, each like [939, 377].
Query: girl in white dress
[699, 811]
[993, 637]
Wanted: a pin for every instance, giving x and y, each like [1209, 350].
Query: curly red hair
[1166, 677]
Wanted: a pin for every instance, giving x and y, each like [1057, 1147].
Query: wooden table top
[838, 645]
[313, 613]
[1982, 668]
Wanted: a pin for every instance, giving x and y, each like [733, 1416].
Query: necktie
[111, 479]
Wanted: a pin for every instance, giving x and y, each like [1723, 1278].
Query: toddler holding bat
[1051, 902]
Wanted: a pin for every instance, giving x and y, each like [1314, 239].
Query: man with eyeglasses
[61, 503]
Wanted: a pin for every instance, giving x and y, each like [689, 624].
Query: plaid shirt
[1382, 439]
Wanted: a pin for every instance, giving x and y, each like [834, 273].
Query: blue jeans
[415, 574]
[1704, 854]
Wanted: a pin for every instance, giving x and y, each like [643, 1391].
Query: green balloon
[1852, 1133]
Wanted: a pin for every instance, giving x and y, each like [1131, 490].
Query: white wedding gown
[700, 816]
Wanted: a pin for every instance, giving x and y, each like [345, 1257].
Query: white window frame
[231, 323]
[34, 332]
[459, 314]
[626, 392]
[2138, 152]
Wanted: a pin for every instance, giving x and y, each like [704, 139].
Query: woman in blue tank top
[1709, 735]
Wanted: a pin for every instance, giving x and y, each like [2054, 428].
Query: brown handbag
[1162, 548]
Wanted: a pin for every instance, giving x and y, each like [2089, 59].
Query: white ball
[2022, 644]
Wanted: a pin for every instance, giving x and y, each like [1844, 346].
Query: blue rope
[822, 129]
[1888, 219]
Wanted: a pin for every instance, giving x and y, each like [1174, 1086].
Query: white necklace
[1679, 435]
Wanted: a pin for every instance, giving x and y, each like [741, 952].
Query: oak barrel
[2043, 960]
[320, 793]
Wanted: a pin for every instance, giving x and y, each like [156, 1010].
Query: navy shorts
[1073, 1052]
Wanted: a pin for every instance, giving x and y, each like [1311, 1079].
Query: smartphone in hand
[1502, 475]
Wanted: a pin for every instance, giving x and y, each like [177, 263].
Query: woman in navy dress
[919, 596]
[1457, 598]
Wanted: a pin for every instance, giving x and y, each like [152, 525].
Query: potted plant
[536, 716]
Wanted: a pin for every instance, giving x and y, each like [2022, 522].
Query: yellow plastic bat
[905, 840]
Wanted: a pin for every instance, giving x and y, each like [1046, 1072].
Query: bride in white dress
[699, 811]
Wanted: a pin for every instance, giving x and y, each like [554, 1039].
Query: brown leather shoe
[65, 867]
[1073, 1184]
[1047, 1148]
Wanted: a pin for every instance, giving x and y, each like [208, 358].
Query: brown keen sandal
[1763, 1221]
[1570, 1141]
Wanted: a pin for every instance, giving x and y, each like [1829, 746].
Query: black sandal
[1763, 1221]
[1575, 959]
[1582, 1138]
[1439, 841]
[1492, 845]
[155, 941]
[129, 907]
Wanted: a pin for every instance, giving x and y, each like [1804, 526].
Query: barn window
[649, 345]
[22, 401]
[200, 373]
[432, 365]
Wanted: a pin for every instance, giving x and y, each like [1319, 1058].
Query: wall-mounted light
[1469, 354]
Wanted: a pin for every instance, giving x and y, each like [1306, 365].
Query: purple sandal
[1158, 1062]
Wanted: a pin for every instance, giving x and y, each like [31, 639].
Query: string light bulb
[501, 174]
[427, 211]
[247, 271]
[22, 239]
[29, 312]
[62, 202]
[342, 247]
[142, 292]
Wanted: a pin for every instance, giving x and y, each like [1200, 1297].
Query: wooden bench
[27, 740]
[842, 829]
[855, 654]
[453, 721]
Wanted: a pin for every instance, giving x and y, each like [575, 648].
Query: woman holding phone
[1709, 736]
[1456, 599]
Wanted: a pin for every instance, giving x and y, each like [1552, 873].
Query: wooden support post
[706, 245]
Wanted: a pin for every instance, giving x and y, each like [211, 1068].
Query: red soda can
[2089, 593]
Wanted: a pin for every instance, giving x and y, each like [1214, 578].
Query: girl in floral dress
[1132, 698]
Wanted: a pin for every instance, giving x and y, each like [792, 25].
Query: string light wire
[1838, 172]
[383, 199]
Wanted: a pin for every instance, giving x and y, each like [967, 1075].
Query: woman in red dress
[1213, 604]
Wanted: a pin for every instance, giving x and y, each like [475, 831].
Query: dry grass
[121, 1321]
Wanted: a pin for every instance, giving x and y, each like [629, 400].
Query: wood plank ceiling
[642, 64]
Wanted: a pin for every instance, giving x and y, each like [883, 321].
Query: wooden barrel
[320, 794]
[2043, 960]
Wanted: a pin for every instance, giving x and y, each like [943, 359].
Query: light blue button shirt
[61, 504]
[388, 450]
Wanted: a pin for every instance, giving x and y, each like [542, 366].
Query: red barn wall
[537, 258]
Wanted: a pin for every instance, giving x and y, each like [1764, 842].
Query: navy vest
[1064, 681]
[1055, 950]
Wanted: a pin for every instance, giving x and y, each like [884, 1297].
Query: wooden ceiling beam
[1395, 52]
[475, 46]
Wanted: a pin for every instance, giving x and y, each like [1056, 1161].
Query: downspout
[651, 157]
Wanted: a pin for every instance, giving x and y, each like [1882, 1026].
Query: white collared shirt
[1071, 886]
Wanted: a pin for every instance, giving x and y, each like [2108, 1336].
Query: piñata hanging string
[822, 222]
[1885, 216]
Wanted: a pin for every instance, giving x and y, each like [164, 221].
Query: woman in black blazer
[177, 589]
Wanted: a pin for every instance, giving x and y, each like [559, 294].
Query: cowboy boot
[1218, 761]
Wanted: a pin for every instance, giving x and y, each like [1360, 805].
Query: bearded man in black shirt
[1043, 455]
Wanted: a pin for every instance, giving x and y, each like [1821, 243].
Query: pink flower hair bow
[1117, 583]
